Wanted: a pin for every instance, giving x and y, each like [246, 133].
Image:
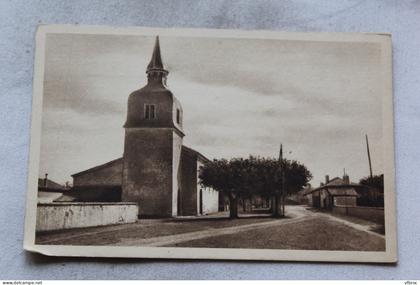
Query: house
[156, 170]
[335, 192]
[47, 185]
[300, 197]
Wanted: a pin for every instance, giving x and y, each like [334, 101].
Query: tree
[241, 178]
[376, 181]
[230, 177]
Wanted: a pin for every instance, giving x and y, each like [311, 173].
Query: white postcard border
[388, 256]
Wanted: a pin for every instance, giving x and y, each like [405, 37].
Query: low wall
[68, 215]
[374, 214]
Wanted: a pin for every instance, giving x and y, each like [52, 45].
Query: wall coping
[87, 204]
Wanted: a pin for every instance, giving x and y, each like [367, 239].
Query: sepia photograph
[212, 144]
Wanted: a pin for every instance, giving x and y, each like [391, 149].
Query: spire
[281, 152]
[155, 63]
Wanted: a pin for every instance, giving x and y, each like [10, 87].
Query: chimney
[327, 179]
[321, 184]
[45, 180]
[346, 179]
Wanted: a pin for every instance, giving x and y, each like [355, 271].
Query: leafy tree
[376, 181]
[242, 178]
[230, 177]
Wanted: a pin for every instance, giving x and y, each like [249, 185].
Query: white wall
[176, 160]
[57, 216]
[48, 197]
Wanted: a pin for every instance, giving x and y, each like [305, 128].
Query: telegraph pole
[282, 179]
[368, 153]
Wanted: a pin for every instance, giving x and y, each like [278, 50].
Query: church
[156, 170]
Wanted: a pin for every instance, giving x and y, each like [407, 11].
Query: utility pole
[282, 180]
[275, 198]
[368, 153]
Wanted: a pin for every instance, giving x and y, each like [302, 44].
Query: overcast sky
[239, 96]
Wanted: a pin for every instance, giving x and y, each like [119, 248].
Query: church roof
[195, 153]
[120, 160]
[156, 60]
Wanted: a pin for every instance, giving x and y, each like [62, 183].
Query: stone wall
[58, 216]
[94, 194]
[48, 197]
[373, 214]
[176, 169]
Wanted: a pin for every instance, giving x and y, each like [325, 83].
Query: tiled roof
[49, 184]
[196, 153]
[342, 192]
[340, 187]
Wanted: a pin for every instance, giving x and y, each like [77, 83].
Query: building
[301, 196]
[335, 192]
[156, 170]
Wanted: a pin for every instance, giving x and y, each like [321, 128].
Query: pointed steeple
[155, 64]
[281, 153]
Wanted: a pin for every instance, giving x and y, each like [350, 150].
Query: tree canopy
[244, 177]
[376, 181]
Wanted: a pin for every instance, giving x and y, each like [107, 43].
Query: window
[149, 111]
[178, 116]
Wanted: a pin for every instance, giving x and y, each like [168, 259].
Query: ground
[302, 229]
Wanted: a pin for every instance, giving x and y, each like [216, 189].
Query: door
[201, 201]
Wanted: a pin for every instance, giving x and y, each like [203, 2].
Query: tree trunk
[275, 206]
[233, 206]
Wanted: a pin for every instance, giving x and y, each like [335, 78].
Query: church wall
[68, 215]
[209, 197]
[107, 176]
[153, 94]
[188, 192]
[147, 170]
[210, 201]
[96, 193]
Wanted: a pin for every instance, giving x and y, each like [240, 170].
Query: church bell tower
[153, 142]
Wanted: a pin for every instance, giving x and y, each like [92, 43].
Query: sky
[240, 97]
